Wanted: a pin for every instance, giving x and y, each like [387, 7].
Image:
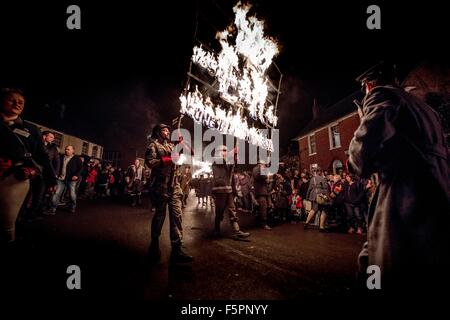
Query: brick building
[324, 141]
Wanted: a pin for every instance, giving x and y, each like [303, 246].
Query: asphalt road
[109, 240]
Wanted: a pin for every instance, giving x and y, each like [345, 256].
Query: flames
[240, 72]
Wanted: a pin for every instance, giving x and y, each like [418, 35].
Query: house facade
[325, 140]
[81, 146]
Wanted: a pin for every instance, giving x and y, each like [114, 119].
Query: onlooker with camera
[22, 157]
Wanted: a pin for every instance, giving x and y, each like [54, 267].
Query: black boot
[217, 229]
[154, 252]
[178, 256]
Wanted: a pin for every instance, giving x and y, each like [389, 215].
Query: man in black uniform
[22, 157]
[401, 139]
[166, 190]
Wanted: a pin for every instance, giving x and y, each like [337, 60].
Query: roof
[338, 110]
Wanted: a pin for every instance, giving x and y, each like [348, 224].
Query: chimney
[315, 109]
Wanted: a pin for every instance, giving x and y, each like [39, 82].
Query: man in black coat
[39, 186]
[402, 140]
[68, 176]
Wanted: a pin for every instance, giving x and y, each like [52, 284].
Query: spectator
[296, 204]
[353, 199]
[318, 189]
[68, 177]
[38, 185]
[18, 139]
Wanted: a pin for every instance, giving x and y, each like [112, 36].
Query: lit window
[85, 148]
[58, 139]
[94, 151]
[312, 144]
[335, 137]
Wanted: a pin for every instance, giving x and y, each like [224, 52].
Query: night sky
[123, 72]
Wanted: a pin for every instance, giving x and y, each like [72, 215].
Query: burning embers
[241, 81]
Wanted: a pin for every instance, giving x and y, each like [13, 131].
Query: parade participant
[186, 178]
[222, 189]
[166, 190]
[134, 180]
[408, 236]
[262, 193]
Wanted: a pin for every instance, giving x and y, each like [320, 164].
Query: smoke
[293, 108]
[128, 116]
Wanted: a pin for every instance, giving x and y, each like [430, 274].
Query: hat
[381, 71]
[157, 129]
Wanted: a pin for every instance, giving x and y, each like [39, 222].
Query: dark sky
[124, 70]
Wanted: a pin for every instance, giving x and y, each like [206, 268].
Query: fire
[202, 111]
[240, 71]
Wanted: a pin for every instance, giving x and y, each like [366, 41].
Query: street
[109, 240]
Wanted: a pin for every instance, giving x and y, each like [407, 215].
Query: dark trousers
[173, 203]
[38, 187]
[354, 218]
[225, 202]
[264, 203]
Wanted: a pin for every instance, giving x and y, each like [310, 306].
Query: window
[337, 166]
[85, 148]
[312, 144]
[58, 139]
[94, 151]
[335, 137]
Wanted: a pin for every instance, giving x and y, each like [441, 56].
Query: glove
[166, 160]
[25, 173]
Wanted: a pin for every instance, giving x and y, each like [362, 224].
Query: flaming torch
[236, 97]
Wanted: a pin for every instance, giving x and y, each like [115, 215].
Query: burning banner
[239, 104]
